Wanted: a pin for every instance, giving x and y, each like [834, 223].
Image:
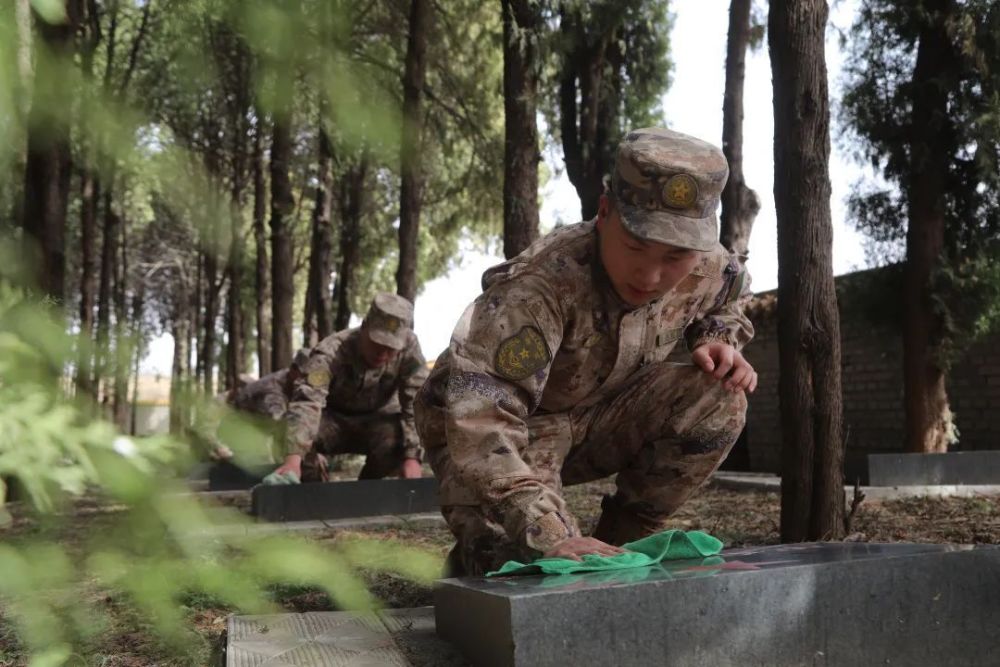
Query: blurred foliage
[876, 108]
[162, 546]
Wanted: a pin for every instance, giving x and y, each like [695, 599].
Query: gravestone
[228, 476]
[970, 468]
[342, 500]
[809, 604]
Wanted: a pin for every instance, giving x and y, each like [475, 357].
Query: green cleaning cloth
[275, 479]
[668, 545]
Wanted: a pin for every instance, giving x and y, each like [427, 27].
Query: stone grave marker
[809, 604]
[970, 468]
[342, 500]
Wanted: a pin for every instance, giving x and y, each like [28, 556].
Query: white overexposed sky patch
[693, 105]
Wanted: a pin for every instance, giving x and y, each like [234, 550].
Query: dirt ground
[737, 518]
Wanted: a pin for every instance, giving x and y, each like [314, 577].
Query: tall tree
[319, 311]
[261, 280]
[612, 71]
[411, 185]
[282, 205]
[740, 204]
[90, 197]
[522, 34]
[923, 82]
[48, 165]
[352, 208]
[809, 388]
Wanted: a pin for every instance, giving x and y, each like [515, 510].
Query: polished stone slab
[389, 638]
[228, 476]
[808, 604]
[972, 468]
[343, 500]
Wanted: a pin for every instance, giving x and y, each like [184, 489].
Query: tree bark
[104, 299]
[47, 167]
[928, 417]
[89, 197]
[740, 204]
[282, 205]
[584, 127]
[522, 23]
[352, 207]
[181, 366]
[320, 324]
[809, 386]
[123, 342]
[411, 186]
[210, 273]
[260, 239]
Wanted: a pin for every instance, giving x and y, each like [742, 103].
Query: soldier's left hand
[411, 469]
[726, 364]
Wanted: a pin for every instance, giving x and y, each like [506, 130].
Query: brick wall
[872, 366]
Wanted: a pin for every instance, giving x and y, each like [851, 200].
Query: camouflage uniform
[342, 406]
[551, 379]
[263, 401]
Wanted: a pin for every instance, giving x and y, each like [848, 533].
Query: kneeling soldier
[558, 373]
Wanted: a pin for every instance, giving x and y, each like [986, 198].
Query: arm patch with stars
[319, 378]
[519, 356]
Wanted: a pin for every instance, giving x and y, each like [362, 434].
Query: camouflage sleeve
[501, 357]
[413, 372]
[308, 399]
[275, 404]
[724, 317]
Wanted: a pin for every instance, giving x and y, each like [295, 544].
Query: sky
[692, 105]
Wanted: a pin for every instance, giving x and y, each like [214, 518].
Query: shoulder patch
[522, 354]
[318, 378]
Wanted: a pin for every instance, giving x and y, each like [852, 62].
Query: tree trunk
[585, 104]
[47, 167]
[123, 341]
[195, 329]
[181, 366]
[928, 417]
[210, 274]
[104, 304]
[410, 164]
[282, 205]
[352, 207]
[740, 204]
[809, 388]
[235, 359]
[522, 24]
[320, 325]
[89, 197]
[260, 240]
[137, 309]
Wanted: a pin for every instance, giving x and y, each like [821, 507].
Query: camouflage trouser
[378, 435]
[664, 434]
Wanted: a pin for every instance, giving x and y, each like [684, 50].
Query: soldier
[265, 400]
[558, 373]
[356, 396]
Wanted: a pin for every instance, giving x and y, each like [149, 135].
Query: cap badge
[680, 191]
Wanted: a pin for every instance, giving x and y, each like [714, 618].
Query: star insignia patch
[680, 191]
[519, 356]
[318, 378]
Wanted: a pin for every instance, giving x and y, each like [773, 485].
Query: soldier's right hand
[290, 472]
[574, 548]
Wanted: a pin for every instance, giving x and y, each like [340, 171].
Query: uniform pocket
[550, 438]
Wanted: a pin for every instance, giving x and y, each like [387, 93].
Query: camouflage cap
[667, 187]
[389, 320]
